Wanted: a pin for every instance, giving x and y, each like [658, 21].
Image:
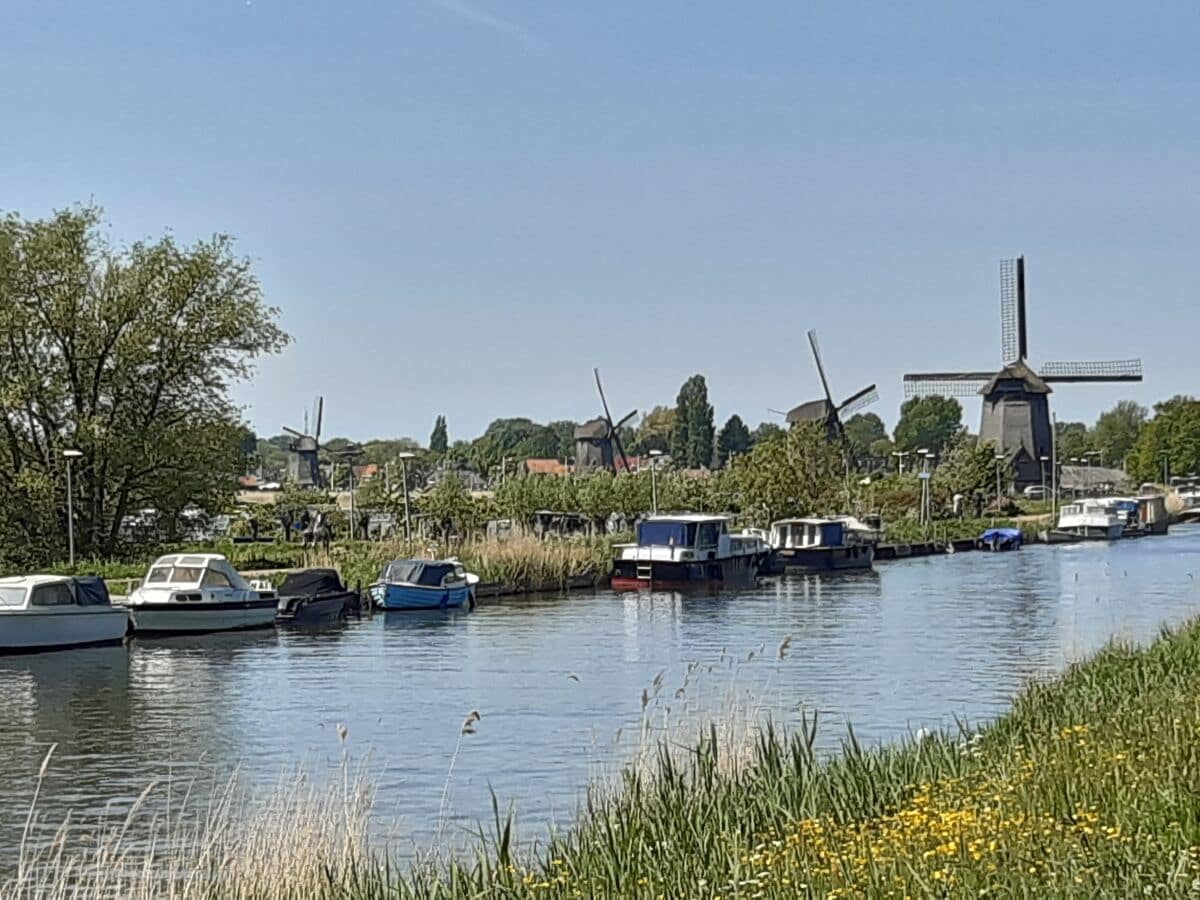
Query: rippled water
[914, 644]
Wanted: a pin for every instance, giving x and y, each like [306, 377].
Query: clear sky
[461, 206]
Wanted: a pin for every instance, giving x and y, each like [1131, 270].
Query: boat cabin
[194, 570]
[799, 534]
[41, 591]
[688, 537]
[424, 573]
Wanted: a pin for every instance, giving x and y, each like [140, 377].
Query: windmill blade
[616, 437]
[294, 432]
[1110, 370]
[945, 384]
[812, 342]
[1011, 312]
[320, 415]
[855, 402]
[621, 423]
[778, 412]
[600, 388]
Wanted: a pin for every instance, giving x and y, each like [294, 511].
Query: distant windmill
[596, 440]
[1016, 407]
[825, 411]
[303, 467]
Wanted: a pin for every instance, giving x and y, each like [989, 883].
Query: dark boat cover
[91, 591]
[311, 582]
[427, 573]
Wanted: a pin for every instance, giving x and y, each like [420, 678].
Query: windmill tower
[825, 410]
[1016, 400]
[303, 467]
[596, 440]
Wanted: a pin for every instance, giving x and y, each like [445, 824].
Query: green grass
[909, 531]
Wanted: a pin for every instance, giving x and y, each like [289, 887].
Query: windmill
[825, 410]
[597, 439]
[1016, 405]
[303, 468]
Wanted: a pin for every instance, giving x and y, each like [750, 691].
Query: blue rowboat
[424, 584]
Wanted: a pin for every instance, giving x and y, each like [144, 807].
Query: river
[559, 681]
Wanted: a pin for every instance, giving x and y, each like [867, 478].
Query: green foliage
[863, 431]
[654, 432]
[452, 510]
[764, 432]
[1117, 430]
[734, 438]
[793, 474]
[520, 439]
[967, 467]
[128, 356]
[1073, 440]
[927, 423]
[439, 441]
[1175, 432]
[692, 438]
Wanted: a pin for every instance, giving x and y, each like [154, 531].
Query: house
[1091, 480]
[546, 467]
[365, 473]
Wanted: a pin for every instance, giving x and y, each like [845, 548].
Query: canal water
[562, 684]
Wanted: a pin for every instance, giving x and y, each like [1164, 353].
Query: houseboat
[682, 550]
[315, 597]
[821, 545]
[1189, 500]
[1152, 513]
[190, 593]
[1000, 540]
[1084, 520]
[53, 612]
[412, 584]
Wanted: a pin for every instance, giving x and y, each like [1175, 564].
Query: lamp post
[404, 457]
[1166, 466]
[69, 455]
[900, 454]
[1043, 460]
[654, 456]
[999, 459]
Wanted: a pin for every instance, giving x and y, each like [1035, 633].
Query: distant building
[546, 467]
[365, 473]
[1092, 480]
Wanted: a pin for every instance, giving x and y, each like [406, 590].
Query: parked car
[1037, 492]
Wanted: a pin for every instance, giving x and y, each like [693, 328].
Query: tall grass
[1086, 788]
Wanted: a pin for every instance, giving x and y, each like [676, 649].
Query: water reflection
[914, 644]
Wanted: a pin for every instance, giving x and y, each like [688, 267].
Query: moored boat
[55, 612]
[999, 540]
[409, 584]
[821, 544]
[688, 549]
[1087, 520]
[190, 593]
[314, 597]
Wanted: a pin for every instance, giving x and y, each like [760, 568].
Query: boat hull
[35, 631]
[1085, 533]
[317, 610]
[634, 573]
[410, 597]
[198, 618]
[814, 560]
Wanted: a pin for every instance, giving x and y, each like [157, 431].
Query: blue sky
[461, 206]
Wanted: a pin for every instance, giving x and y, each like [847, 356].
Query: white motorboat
[1088, 520]
[54, 612]
[197, 592]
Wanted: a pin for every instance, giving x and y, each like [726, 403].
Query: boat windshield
[10, 595]
[666, 534]
[175, 575]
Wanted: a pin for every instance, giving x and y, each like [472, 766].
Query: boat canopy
[91, 591]
[423, 572]
[195, 570]
[1002, 534]
[53, 590]
[311, 582]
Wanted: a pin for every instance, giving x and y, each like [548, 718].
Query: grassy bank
[1086, 788]
[909, 531]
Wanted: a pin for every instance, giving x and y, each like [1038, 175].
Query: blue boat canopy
[424, 572]
[1002, 534]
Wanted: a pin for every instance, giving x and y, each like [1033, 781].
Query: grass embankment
[910, 531]
[1087, 788]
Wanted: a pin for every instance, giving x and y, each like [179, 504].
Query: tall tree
[1117, 430]
[927, 423]
[1073, 441]
[439, 439]
[1173, 436]
[654, 432]
[862, 431]
[734, 438]
[127, 355]
[794, 473]
[692, 440]
[764, 432]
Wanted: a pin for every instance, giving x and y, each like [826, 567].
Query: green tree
[734, 438]
[127, 355]
[452, 511]
[764, 432]
[1117, 430]
[692, 439]
[654, 431]
[791, 474]
[927, 423]
[862, 431]
[439, 439]
[1073, 440]
[1174, 432]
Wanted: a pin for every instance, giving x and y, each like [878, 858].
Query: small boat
[821, 544]
[55, 612]
[1153, 517]
[314, 597]
[999, 540]
[1087, 520]
[688, 550]
[424, 584]
[191, 593]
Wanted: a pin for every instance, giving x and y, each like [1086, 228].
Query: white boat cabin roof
[815, 520]
[688, 517]
[29, 581]
[191, 569]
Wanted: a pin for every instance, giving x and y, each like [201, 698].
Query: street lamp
[999, 459]
[900, 454]
[654, 456]
[69, 455]
[1044, 460]
[1165, 454]
[404, 457]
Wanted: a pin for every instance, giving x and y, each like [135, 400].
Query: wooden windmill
[598, 442]
[303, 466]
[1016, 405]
[833, 415]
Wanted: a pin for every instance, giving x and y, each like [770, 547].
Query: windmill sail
[945, 384]
[1110, 370]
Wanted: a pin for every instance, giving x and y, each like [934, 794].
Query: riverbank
[1085, 788]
